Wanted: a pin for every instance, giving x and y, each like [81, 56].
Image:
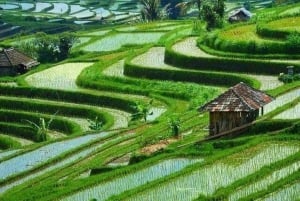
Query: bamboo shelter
[238, 106]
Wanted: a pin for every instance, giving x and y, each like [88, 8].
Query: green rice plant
[290, 192]
[60, 164]
[226, 64]
[282, 100]
[125, 182]
[81, 41]
[62, 76]
[292, 11]
[292, 113]
[18, 130]
[115, 70]
[97, 33]
[264, 182]
[70, 97]
[35, 120]
[116, 41]
[34, 158]
[244, 39]
[208, 179]
[8, 153]
[179, 74]
[8, 143]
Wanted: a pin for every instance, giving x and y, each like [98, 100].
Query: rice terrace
[149, 100]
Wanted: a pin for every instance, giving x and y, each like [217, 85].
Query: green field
[100, 124]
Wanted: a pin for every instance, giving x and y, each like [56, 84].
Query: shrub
[297, 77]
[293, 42]
[101, 170]
[285, 78]
[136, 158]
[288, 78]
[295, 129]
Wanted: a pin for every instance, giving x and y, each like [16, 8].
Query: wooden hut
[236, 107]
[13, 61]
[239, 15]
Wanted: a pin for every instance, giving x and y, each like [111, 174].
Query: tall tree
[49, 48]
[46, 47]
[219, 8]
[66, 41]
[187, 5]
[173, 9]
[151, 9]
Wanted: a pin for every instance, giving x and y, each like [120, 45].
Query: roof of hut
[238, 98]
[12, 57]
[241, 10]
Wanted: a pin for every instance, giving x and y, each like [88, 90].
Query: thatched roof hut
[13, 61]
[238, 106]
[239, 15]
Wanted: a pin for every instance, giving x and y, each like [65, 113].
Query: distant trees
[48, 48]
[210, 11]
[172, 9]
[213, 13]
[152, 10]
[186, 5]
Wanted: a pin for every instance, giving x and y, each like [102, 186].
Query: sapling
[174, 124]
[142, 111]
[96, 124]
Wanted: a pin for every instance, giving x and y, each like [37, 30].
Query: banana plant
[142, 111]
[41, 128]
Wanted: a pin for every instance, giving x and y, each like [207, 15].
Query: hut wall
[6, 71]
[224, 121]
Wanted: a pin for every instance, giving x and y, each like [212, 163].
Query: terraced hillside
[68, 132]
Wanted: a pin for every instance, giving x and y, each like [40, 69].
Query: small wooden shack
[238, 106]
[239, 15]
[13, 61]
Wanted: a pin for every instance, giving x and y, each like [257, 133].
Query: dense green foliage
[49, 48]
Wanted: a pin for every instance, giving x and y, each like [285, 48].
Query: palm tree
[186, 5]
